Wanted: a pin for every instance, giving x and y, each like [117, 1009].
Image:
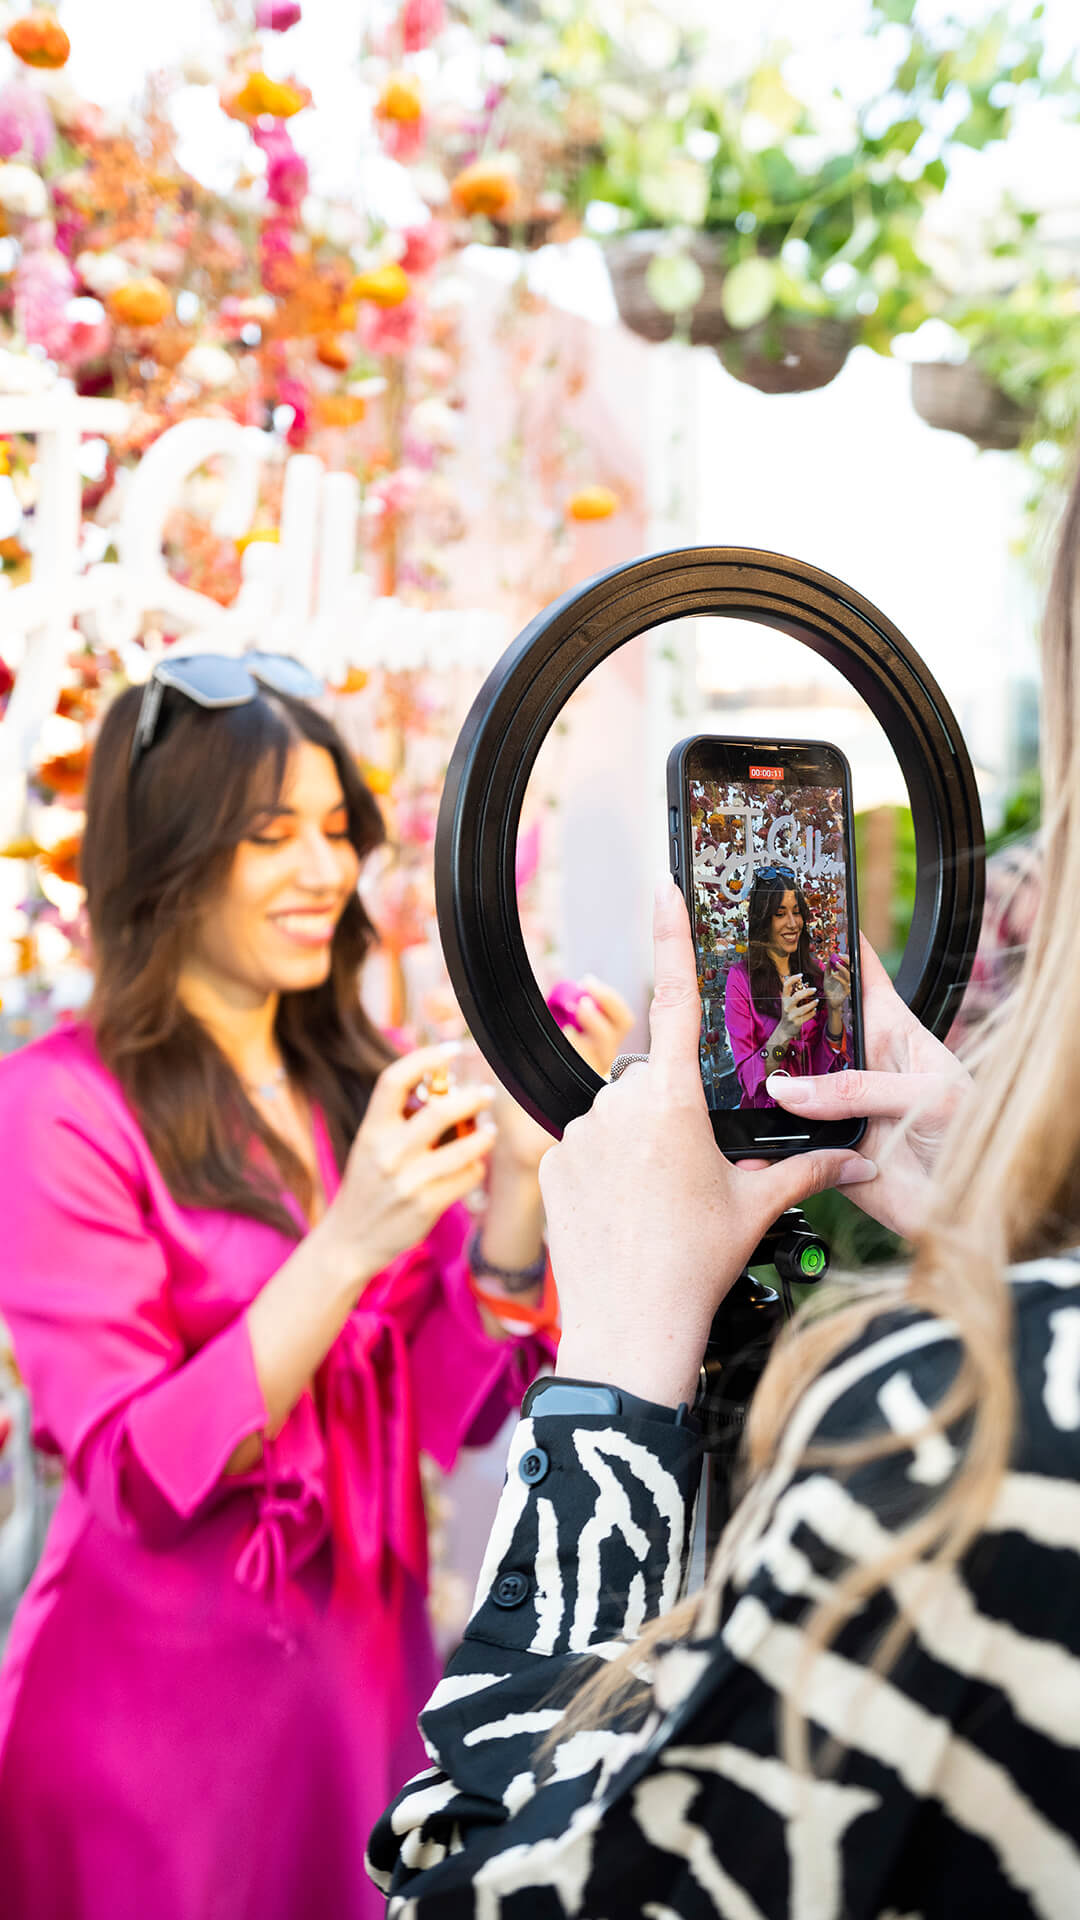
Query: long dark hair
[767, 899]
[153, 855]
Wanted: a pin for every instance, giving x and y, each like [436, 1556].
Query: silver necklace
[268, 1089]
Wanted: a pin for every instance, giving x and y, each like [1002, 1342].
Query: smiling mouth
[305, 927]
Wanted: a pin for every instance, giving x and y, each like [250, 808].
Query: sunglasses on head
[771, 874]
[215, 680]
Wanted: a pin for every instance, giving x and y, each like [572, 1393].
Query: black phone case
[680, 861]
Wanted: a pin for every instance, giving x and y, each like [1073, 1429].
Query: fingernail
[793, 1091]
[854, 1172]
[665, 887]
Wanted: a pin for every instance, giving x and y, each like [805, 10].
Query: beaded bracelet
[511, 1279]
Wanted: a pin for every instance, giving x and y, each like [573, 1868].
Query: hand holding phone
[837, 985]
[798, 1004]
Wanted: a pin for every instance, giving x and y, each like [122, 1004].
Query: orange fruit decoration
[593, 503]
[487, 186]
[400, 99]
[385, 286]
[63, 860]
[39, 40]
[354, 682]
[340, 409]
[378, 780]
[140, 303]
[332, 351]
[65, 772]
[259, 94]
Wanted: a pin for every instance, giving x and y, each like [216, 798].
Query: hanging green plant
[802, 216]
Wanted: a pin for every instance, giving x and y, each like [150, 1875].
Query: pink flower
[69, 236]
[90, 332]
[44, 283]
[277, 263]
[391, 330]
[395, 493]
[277, 16]
[286, 178]
[403, 140]
[417, 818]
[421, 21]
[286, 170]
[26, 125]
[292, 393]
[424, 246]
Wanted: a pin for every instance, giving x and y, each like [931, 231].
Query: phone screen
[762, 843]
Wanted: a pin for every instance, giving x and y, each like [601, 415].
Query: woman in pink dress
[238, 1278]
[782, 1010]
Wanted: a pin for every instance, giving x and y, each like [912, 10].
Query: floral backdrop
[336, 333]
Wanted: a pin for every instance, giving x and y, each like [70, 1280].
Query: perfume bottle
[435, 1085]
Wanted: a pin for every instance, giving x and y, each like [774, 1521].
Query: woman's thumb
[805, 1174]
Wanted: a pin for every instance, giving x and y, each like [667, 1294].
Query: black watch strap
[551, 1394]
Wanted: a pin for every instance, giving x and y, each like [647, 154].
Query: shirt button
[533, 1466]
[510, 1590]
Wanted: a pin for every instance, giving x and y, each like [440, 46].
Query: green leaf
[771, 98]
[899, 10]
[983, 124]
[749, 291]
[935, 173]
[675, 281]
[902, 135]
[677, 193]
[782, 179]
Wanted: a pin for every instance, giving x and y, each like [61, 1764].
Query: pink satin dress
[211, 1685]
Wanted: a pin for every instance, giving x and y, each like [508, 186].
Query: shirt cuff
[183, 1430]
[592, 1533]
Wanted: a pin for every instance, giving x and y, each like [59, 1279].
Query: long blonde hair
[1007, 1187]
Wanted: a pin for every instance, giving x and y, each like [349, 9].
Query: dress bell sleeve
[145, 1429]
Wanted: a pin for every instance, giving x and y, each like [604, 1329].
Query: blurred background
[366, 329]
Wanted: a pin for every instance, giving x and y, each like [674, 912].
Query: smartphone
[762, 846]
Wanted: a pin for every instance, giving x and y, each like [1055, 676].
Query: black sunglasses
[214, 680]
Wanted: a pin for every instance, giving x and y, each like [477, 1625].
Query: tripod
[738, 1347]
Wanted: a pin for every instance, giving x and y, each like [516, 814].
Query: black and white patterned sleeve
[591, 1538]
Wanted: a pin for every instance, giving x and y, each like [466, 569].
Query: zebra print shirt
[958, 1791]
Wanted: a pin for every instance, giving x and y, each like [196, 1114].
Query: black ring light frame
[476, 839]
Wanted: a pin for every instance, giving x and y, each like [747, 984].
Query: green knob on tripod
[812, 1261]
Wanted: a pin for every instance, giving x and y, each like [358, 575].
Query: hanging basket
[628, 260]
[960, 399]
[780, 355]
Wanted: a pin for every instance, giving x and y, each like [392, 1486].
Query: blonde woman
[873, 1707]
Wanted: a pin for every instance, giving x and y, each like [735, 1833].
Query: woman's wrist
[511, 1233]
[342, 1265]
[666, 1371]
